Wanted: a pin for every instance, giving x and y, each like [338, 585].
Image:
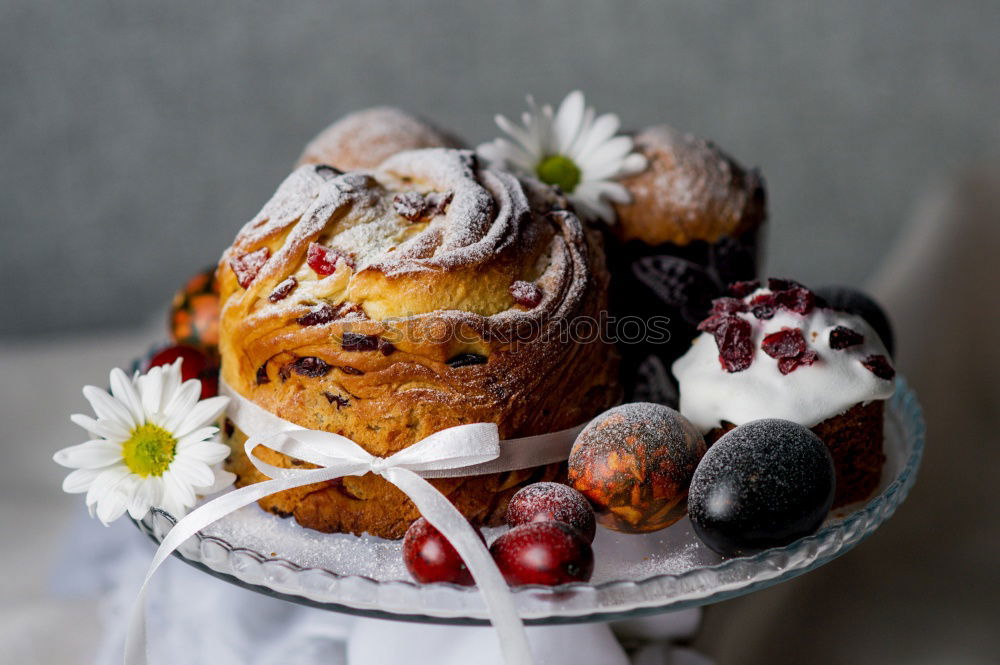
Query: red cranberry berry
[788, 365]
[763, 306]
[728, 306]
[776, 284]
[246, 266]
[552, 502]
[526, 294]
[283, 289]
[786, 343]
[879, 366]
[743, 289]
[431, 558]
[797, 299]
[842, 338]
[548, 553]
[318, 315]
[195, 365]
[733, 337]
[322, 260]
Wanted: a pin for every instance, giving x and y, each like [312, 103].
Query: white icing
[808, 395]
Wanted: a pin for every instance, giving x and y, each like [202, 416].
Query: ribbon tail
[440, 512]
[195, 521]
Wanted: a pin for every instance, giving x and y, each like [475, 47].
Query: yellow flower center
[559, 170]
[149, 451]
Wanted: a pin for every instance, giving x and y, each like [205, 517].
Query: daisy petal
[196, 436]
[111, 507]
[606, 159]
[175, 489]
[107, 407]
[568, 119]
[634, 163]
[223, 479]
[79, 481]
[204, 412]
[107, 429]
[89, 455]
[124, 391]
[208, 452]
[146, 495]
[602, 130]
[106, 482]
[178, 408]
[150, 388]
[192, 471]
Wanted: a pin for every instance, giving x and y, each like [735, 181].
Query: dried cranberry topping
[339, 400]
[842, 338]
[282, 290]
[322, 260]
[246, 266]
[526, 294]
[763, 306]
[437, 202]
[728, 306]
[797, 299]
[787, 365]
[262, 376]
[386, 347]
[358, 342]
[879, 366]
[743, 289]
[786, 343]
[466, 359]
[318, 315]
[733, 337]
[776, 284]
[310, 366]
[410, 205]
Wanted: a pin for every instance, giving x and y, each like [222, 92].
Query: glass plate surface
[634, 574]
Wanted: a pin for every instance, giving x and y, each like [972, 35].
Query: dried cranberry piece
[797, 299]
[262, 376]
[776, 284]
[347, 369]
[386, 347]
[437, 202]
[246, 266]
[318, 315]
[358, 342]
[879, 366]
[466, 359]
[743, 289]
[410, 205]
[788, 365]
[728, 306]
[339, 400]
[323, 260]
[710, 324]
[310, 366]
[526, 294]
[283, 289]
[733, 337]
[786, 343]
[842, 338]
[228, 427]
[763, 306]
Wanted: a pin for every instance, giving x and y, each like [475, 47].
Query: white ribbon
[458, 451]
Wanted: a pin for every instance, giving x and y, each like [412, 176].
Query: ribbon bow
[454, 448]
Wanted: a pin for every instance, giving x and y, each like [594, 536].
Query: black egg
[855, 302]
[763, 484]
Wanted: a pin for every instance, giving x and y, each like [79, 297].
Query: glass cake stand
[634, 574]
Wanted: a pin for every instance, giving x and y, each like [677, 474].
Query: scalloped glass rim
[570, 603]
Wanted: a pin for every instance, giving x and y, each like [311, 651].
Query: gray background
[136, 138]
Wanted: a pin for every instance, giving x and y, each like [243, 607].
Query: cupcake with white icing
[780, 352]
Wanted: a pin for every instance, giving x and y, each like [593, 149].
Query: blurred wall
[137, 137]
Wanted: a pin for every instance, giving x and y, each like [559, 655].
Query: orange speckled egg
[194, 312]
[634, 463]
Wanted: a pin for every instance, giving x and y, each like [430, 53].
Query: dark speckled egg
[634, 463]
[764, 484]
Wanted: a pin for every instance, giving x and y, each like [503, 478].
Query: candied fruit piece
[776, 284]
[842, 338]
[339, 400]
[763, 306]
[786, 343]
[310, 366]
[797, 299]
[246, 266]
[323, 260]
[352, 341]
[788, 365]
[526, 294]
[466, 359]
[318, 315]
[728, 306]
[879, 366]
[733, 337]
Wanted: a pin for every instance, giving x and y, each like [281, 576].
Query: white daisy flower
[570, 148]
[151, 446]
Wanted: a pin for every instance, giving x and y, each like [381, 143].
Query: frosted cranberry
[797, 299]
[359, 342]
[310, 366]
[733, 338]
[246, 266]
[552, 502]
[786, 343]
[776, 284]
[318, 315]
[195, 365]
[283, 289]
[843, 338]
[879, 366]
[322, 260]
[526, 294]
[788, 365]
[743, 289]
[548, 553]
[431, 558]
[728, 306]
